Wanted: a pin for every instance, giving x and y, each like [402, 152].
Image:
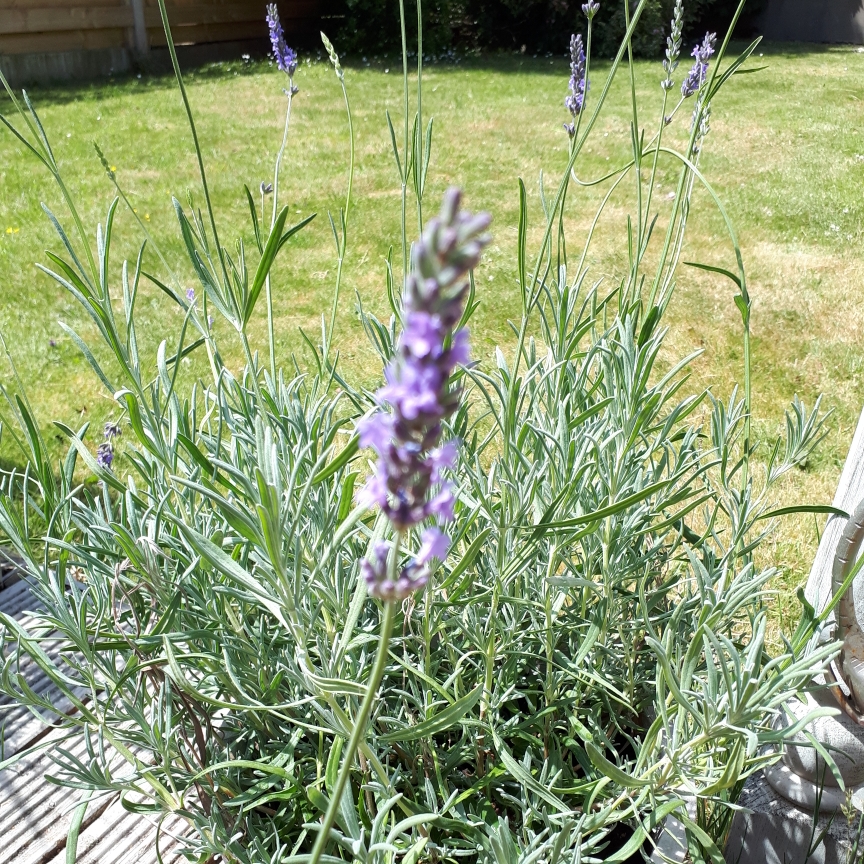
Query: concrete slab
[773, 831]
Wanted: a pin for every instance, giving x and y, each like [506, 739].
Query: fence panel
[30, 26]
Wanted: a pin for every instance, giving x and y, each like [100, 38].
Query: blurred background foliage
[369, 26]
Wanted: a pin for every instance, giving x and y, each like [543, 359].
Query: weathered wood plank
[30, 43]
[16, 598]
[19, 727]
[46, 26]
[222, 13]
[119, 837]
[195, 34]
[50, 20]
[34, 814]
[56, 4]
[33, 825]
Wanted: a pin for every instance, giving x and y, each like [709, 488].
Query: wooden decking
[35, 815]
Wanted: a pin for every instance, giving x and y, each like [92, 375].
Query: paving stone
[773, 831]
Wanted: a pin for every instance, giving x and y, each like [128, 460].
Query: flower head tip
[285, 56]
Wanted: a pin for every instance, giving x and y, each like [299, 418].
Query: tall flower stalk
[409, 483]
[670, 64]
[286, 60]
[341, 235]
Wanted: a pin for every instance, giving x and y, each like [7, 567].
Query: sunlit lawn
[785, 152]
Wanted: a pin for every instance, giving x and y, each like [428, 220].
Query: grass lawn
[785, 152]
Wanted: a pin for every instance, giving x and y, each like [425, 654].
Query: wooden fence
[38, 26]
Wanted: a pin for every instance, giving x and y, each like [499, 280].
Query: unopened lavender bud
[374, 569]
[473, 227]
[447, 239]
[450, 205]
[673, 45]
[590, 9]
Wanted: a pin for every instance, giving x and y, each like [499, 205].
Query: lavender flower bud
[579, 83]
[112, 430]
[704, 116]
[412, 577]
[190, 295]
[286, 58]
[409, 483]
[590, 9]
[104, 455]
[334, 57]
[698, 74]
[673, 46]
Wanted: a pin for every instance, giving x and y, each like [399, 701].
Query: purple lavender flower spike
[698, 74]
[590, 9]
[286, 58]
[190, 295]
[409, 482]
[579, 83]
[104, 455]
[105, 451]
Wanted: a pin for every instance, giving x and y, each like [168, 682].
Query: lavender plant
[248, 626]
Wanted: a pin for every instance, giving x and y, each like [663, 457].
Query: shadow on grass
[258, 65]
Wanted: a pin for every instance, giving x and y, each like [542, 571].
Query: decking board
[19, 728]
[35, 815]
[119, 837]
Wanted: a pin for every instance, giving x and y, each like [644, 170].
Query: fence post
[142, 43]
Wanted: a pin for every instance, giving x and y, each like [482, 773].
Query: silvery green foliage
[591, 652]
